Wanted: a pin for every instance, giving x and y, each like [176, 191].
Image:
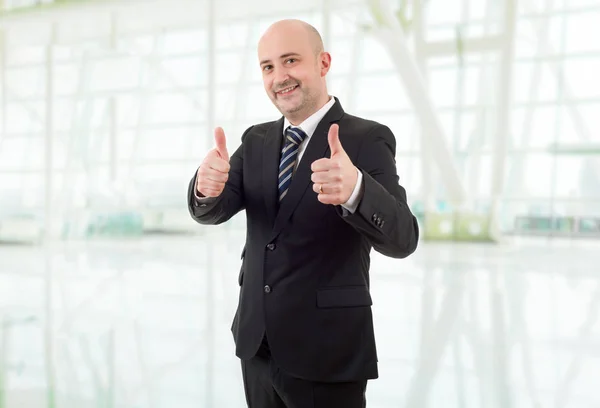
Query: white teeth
[287, 89]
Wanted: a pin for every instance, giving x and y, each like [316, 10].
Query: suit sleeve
[383, 215]
[217, 210]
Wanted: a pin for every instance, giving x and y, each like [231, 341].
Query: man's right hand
[214, 170]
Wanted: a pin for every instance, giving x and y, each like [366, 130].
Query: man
[303, 328]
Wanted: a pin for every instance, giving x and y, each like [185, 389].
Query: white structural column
[326, 22]
[50, 365]
[502, 135]
[112, 107]
[352, 81]
[239, 104]
[211, 72]
[4, 338]
[3, 83]
[211, 261]
[428, 297]
[542, 27]
[391, 35]
[426, 158]
[48, 136]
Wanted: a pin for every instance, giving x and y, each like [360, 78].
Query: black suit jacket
[305, 270]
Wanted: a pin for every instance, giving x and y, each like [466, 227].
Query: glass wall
[126, 101]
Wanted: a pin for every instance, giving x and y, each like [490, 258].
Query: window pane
[534, 81]
[374, 57]
[442, 86]
[534, 127]
[184, 42]
[27, 82]
[179, 72]
[175, 107]
[405, 130]
[533, 178]
[381, 93]
[25, 117]
[114, 74]
[583, 32]
[582, 76]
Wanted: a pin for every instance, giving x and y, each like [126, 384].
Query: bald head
[296, 27]
[294, 65]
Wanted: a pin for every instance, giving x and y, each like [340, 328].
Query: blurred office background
[111, 296]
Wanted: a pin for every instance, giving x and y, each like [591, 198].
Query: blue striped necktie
[289, 154]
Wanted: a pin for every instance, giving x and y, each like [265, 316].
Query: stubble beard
[306, 103]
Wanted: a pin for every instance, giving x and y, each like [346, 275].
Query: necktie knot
[294, 135]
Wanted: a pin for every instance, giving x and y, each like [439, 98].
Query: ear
[324, 62]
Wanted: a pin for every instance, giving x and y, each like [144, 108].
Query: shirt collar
[310, 124]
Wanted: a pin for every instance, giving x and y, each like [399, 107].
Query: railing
[568, 226]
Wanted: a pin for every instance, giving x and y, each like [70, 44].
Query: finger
[208, 189]
[218, 164]
[326, 189]
[329, 198]
[320, 188]
[210, 185]
[326, 199]
[333, 176]
[324, 164]
[207, 173]
[221, 143]
[216, 176]
[210, 193]
[333, 137]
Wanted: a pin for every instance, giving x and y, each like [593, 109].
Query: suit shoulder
[364, 126]
[263, 127]
[260, 129]
[256, 131]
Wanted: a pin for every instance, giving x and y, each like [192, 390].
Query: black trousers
[266, 386]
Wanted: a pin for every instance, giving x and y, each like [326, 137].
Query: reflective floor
[144, 323]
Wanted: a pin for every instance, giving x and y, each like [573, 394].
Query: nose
[281, 76]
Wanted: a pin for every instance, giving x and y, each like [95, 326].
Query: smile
[287, 90]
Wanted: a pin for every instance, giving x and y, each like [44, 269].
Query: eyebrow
[288, 54]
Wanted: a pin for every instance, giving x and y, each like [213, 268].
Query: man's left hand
[334, 178]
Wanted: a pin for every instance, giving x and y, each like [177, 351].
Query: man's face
[292, 73]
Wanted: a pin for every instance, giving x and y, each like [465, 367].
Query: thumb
[334, 140]
[221, 143]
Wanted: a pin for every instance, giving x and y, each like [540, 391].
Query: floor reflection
[145, 324]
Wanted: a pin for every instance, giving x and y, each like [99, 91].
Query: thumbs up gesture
[334, 178]
[214, 170]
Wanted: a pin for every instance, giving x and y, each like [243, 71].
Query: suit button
[267, 289]
[381, 225]
[374, 217]
[271, 247]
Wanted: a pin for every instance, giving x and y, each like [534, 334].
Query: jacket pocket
[350, 296]
[241, 275]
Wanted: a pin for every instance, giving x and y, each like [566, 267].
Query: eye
[291, 60]
[267, 67]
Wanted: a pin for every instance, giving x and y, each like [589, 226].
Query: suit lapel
[270, 167]
[316, 149]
